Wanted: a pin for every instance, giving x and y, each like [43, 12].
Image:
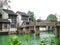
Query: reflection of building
[8, 20]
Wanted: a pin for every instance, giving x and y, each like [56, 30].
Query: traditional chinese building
[8, 20]
[22, 18]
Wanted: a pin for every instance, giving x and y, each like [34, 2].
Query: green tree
[31, 15]
[52, 18]
[5, 3]
[0, 4]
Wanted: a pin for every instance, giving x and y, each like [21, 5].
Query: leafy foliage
[31, 15]
[5, 2]
[57, 41]
[0, 5]
[46, 41]
[52, 18]
[14, 41]
[27, 37]
[42, 43]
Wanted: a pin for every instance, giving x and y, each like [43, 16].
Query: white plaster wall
[19, 21]
[10, 20]
[28, 19]
[5, 30]
[13, 29]
[4, 15]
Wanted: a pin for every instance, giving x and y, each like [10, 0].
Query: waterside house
[22, 18]
[4, 26]
[8, 20]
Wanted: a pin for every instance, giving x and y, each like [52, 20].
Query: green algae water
[35, 40]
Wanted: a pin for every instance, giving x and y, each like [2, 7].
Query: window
[5, 25]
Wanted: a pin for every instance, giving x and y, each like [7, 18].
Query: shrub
[42, 43]
[27, 37]
[14, 41]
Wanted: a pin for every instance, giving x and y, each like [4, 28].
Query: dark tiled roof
[22, 13]
[4, 20]
[9, 12]
[39, 20]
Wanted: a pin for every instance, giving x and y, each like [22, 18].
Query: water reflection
[34, 39]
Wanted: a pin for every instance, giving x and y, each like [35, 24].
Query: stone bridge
[34, 26]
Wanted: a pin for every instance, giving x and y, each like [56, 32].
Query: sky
[41, 8]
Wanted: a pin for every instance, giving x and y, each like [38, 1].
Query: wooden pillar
[57, 31]
[34, 28]
[9, 27]
[24, 30]
[2, 27]
[46, 27]
[50, 27]
[29, 29]
[37, 31]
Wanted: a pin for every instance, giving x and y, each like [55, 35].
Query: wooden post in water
[58, 32]
[37, 32]
[57, 28]
[35, 29]
[24, 30]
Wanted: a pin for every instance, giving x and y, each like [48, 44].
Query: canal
[35, 40]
